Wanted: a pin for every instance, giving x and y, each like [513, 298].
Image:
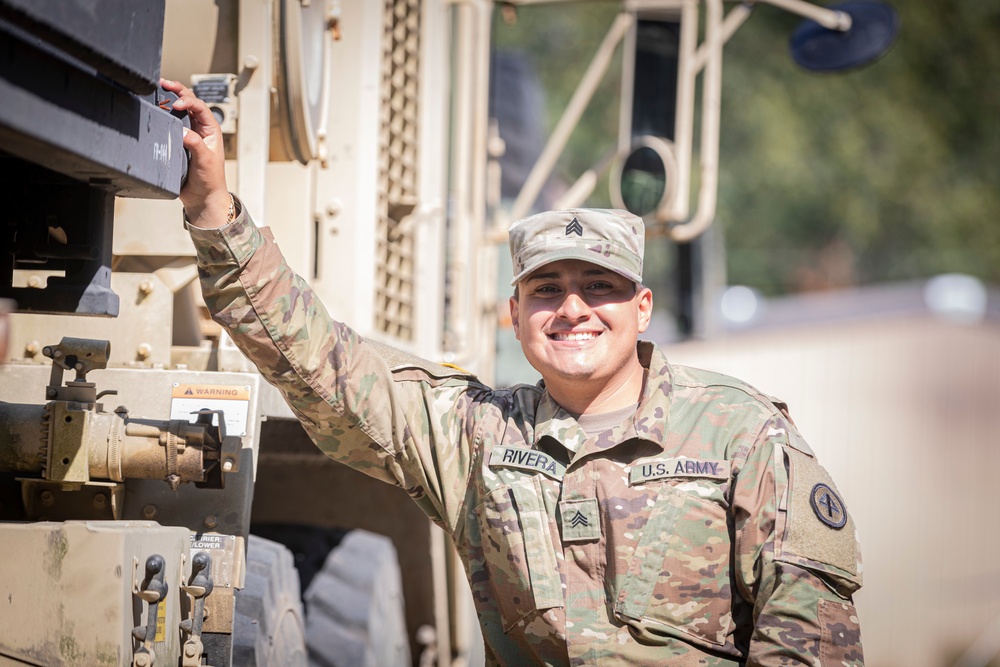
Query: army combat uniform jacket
[701, 531]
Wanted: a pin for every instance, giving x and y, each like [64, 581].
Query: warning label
[228, 392]
[234, 401]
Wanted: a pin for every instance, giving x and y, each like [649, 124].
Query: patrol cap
[610, 238]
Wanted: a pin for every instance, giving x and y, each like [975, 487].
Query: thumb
[192, 140]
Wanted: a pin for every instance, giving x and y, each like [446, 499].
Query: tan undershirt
[592, 424]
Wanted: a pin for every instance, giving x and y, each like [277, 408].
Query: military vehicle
[160, 504]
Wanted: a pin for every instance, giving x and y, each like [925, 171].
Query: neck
[584, 397]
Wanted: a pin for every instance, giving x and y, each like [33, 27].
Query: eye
[546, 290]
[600, 287]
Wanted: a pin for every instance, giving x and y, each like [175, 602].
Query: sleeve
[392, 416]
[797, 559]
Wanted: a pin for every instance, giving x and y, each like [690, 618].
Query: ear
[513, 317]
[645, 303]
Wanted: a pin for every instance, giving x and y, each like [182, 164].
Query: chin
[570, 372]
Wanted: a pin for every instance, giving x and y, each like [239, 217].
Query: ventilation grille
[397, 168]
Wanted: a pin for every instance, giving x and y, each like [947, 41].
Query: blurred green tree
[887, 173]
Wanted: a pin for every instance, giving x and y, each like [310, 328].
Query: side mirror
[874, 27]
[644, 178]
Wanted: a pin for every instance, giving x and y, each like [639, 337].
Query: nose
[574, 307]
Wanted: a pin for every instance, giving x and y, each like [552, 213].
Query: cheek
[514, 318]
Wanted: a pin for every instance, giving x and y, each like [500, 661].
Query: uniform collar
[649, 422]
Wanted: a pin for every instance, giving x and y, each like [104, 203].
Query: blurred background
[851, 271]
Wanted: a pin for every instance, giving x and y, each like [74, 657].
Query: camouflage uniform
[701, 531]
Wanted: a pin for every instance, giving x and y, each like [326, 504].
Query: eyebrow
[554, 275]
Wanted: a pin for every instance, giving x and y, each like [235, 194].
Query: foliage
[881, 174]
[887, 173]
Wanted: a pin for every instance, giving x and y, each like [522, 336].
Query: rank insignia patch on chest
[828, 506]
[581, 520]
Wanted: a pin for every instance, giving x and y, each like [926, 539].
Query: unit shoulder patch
[818, 528]
[828, 506]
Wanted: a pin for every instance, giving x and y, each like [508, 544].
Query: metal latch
[199, 587]
[153, 591]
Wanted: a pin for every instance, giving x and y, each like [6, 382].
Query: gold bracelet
[232, 210]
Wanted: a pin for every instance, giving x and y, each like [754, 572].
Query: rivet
[48, 499]
[211, 521]
[149, 511]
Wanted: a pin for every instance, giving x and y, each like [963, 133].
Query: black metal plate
[56, 114]
[122, 40]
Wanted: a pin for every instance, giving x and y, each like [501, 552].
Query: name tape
[649, 469]
[526, 459]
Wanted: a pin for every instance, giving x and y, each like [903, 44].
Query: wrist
[216, 210]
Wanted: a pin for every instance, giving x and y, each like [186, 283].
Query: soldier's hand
[204, 195]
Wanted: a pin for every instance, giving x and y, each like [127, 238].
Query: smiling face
[578, 324]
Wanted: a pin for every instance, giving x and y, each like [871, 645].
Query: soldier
[622, 511]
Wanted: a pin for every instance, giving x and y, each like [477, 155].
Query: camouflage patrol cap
[613, 239]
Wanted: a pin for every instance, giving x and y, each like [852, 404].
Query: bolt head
[100, 500]
[149, 511]
[211, 521]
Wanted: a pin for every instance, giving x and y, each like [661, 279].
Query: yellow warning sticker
[161, 626]
[212, 391]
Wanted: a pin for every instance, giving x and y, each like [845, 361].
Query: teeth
[574, 336]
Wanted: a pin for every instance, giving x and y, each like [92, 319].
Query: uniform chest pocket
[678, 582]
[518, 550]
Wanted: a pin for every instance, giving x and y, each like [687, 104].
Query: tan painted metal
[71, 591]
